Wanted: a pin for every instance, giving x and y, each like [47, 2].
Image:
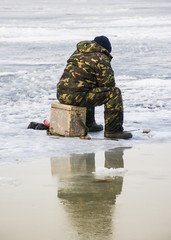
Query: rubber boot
[90, 121]
[118, 135]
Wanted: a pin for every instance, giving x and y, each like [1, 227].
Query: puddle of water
[118, 194]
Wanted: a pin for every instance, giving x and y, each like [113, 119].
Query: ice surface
[36, 39]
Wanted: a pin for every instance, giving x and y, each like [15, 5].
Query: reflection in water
[89, 201]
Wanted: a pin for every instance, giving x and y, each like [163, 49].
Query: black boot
[90, 121]
[118, 135]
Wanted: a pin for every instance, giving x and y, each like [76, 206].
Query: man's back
[87, 68]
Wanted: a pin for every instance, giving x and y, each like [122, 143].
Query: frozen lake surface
[36, 39]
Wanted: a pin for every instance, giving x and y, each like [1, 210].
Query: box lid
[66, 107]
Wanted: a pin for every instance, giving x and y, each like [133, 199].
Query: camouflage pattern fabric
[88, 81]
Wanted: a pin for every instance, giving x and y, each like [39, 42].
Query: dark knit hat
[104, 42]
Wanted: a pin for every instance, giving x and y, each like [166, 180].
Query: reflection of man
[114, 159]
[89, 201]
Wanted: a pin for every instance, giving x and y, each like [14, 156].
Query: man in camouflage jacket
[88, 81]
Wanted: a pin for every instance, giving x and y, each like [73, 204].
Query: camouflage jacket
[87, 68]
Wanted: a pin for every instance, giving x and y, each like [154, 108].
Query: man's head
[104, 42]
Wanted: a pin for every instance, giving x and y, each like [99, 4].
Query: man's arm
[104, 73]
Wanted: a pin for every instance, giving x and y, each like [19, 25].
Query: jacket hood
[91, 47]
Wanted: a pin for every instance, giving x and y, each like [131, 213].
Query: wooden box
[67, 120]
